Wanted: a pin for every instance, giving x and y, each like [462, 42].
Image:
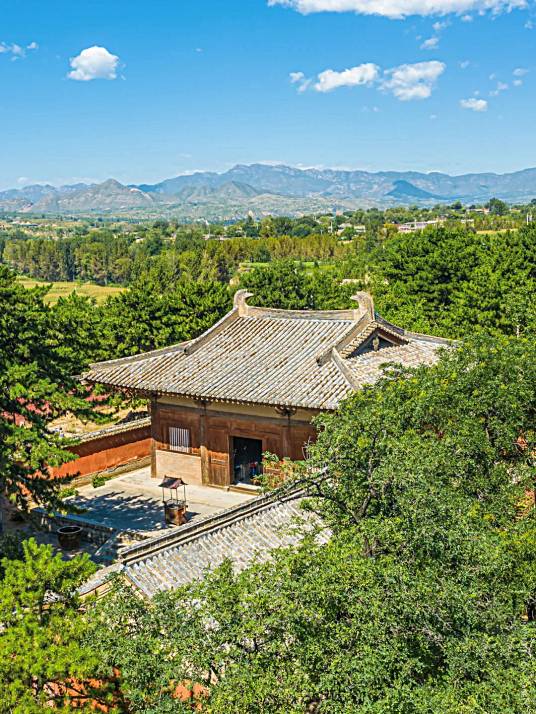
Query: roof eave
[151, 393]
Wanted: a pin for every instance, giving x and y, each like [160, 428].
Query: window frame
[179, 439]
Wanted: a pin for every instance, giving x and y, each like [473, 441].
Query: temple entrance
[247, 459]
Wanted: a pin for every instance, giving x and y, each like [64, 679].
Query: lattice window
[179, 439]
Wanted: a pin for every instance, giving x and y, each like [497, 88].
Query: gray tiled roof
[292, 358]
[124, 427]
[243, 534]
[367, 367]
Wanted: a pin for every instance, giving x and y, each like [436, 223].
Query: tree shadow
[124, 512]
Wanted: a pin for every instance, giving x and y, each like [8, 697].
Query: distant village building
[253, 382]
[414, 226]
[358, 229]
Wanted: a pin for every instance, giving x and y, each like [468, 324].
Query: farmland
[65, 288]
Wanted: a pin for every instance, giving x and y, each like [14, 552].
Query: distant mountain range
[261, 189]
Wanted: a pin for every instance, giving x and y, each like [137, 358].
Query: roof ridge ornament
[366, 304]
[240, 301]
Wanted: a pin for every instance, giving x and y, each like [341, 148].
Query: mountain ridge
[258, 189]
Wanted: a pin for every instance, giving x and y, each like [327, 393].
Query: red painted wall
[107, 451]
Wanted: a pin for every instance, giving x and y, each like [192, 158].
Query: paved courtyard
[134, 502]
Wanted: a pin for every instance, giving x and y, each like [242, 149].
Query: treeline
[121, 253]
[106, 257]
[448, 281]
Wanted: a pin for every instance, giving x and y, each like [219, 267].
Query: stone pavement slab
[133, 501]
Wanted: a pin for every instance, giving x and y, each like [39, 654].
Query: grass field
[493, 232]
[62, 289]
[309, 265]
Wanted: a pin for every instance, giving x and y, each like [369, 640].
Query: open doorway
[247, 459]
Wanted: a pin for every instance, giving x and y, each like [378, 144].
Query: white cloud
[518, 82]
[413, 81]
[501, 87]
[406, 82]
[296, 77]
[430, 44]
[362, 74]
[520, 72]
[438, 26]
[16, 51]
[529, 25]
[397, 9]
[464, 64]
[467, 18]
[93, 63]
[475, 105]
[301, 80]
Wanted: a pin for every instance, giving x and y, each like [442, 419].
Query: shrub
[98, 481]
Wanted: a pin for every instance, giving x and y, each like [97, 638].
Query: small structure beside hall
[175, 507]
[253, 383]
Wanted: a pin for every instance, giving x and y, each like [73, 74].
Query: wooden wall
[211, 433]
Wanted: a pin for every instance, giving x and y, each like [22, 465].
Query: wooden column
[155, 426]
[203, 448]
[288, 412]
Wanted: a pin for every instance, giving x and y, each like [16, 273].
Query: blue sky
[144, 91]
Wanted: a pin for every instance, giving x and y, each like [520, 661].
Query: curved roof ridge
[343, 315]
[178, 347]
[344, 369]
[429, 338]
[245, 310]
[353, 331]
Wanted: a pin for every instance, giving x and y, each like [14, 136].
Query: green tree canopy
[287, 284]
[420, 600]
[36, 385]
[43, 663]
[149, 316]
[452, 281]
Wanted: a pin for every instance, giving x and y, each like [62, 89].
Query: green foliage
[453, 282]
[41, 648]
[67, 492]
[10, 549]
[149, 316]
[418, 601]
[76, 330]
[36, 386]
[497, 207]
[288, 285]
[98, 480]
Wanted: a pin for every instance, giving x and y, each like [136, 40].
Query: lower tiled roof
[368, 367]
[243, 534]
